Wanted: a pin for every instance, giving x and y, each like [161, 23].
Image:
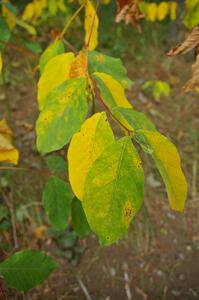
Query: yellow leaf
[91, 24]
[29, 12]
[8, 153]
[56, 71]
[9, 15]
[5, 130]
[190, 4]
[1, 63]
[40, 232]
[116, 94]
[173, 9]
[95, 135]
[152, 12]
[168, 163]
[162, 11]
[79, 66]
[38, 8]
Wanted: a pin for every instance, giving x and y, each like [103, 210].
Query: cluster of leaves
[105, 173]
[136, 10]
[159, 12]
[34, 10]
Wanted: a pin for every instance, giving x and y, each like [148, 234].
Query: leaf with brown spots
[79, 66]
[113, 191]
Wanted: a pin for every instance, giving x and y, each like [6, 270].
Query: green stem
[72, 19]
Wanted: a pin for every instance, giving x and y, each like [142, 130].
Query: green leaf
[95, 135]
[57, 198]
[32, 46]
[51, 51]
[134, 120]
[29, 28]
[111, 91]
[99, 62]
[191, 18]
[168, 162]
[79, 220]
[26, 269]
[10, 7]
[114, 191]
[56, 164]
[64, 112]
[4, 32]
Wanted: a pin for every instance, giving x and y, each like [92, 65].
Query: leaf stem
[72, 19]
[92, 26]
[99, 98]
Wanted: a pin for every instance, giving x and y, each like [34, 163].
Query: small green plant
[158, 88]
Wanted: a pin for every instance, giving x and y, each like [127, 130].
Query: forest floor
[159, 259]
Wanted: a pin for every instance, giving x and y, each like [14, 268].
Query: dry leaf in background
[191, 42]
[129, 11]
[193, 83]
[8, 153]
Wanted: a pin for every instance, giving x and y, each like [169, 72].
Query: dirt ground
[159, 259]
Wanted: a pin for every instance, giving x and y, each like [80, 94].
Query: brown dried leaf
[79, 66]
[193, 83]
[190, 42]
[129, 11]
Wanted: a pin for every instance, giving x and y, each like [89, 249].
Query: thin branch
[9, 203]
[84, 289]
[72, 19]
[99, 98]
[19, 49]
[69, 45]
[32, 169]
[92, 25]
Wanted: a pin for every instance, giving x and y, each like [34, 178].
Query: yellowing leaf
[79, 66]
[111, 90]
[152, 12]
[162, 10]
[95, 135]
[40, 232]
[54, 49]
[64, 112]
[168, 163]
[56, 72]
[8, 153]
[9, 15]
[91, 24]
[173, 9]
[28, 12]
[99, 62]
[1, 63]
[29, 28]
[113, 191]
[38, 7]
